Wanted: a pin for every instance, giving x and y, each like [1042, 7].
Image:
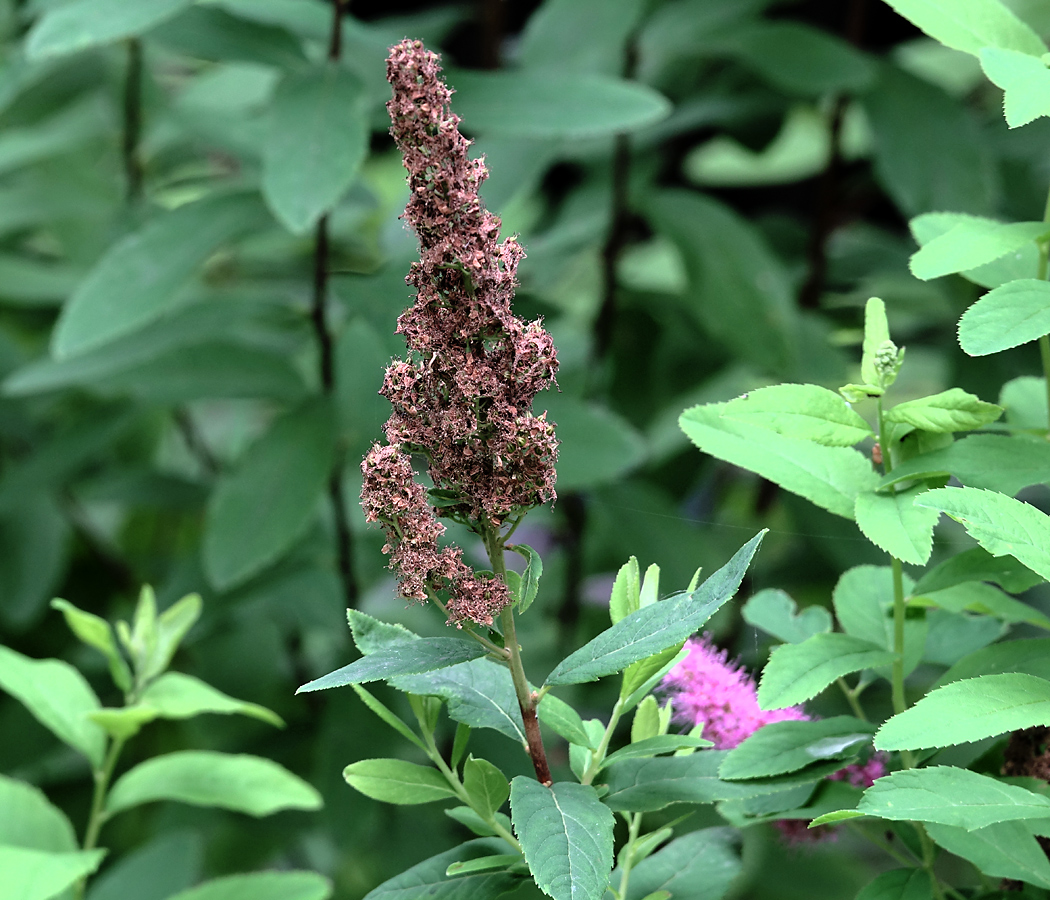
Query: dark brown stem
[133, 120]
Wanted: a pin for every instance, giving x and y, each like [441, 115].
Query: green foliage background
[708, 191]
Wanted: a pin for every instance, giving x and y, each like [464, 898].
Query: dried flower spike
[462, 399]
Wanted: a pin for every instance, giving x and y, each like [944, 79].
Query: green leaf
[1031, 657]
[318, 139]
[789, 746]
[261, 886]
[656, 627]
[549, 39]
[970, 25]
[140, 275]
[830, 477]
[1002, 525]
[371, 634]
[1017, 265]
[626, 591]
[41, 875]
[81, 24]
[428, 878]
[950, 796]
[948, 411]
[397, 781]
[1007, 316]
[470, 819]
[530, 578]
[486, 785]
[484, 864]
[969, 710]
[96, 632]
[566, 834]
[156, 870]
[775, 613]
[986, 600]
[641, 677]
[655, 746]
[1024, 79]
[178, 696]
[1006, 850]
[893, 523]
[993, 461]
[978, 564]
[899, 884]
[646, 721]
[59, 698]
[266, 503]
[248, 784]
[411, 658]
[558, 716]
[30, 820]
[804, 411]
[973, 242]
[480, 694]
[554, 104]
[172, 626]
[125, 722]
[797, 672]
[700, 865]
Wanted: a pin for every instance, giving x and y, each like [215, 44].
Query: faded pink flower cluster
[706, 688]
[462, 399]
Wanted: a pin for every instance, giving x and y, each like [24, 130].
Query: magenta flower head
[462, 400]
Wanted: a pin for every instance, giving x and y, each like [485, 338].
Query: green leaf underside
[178, 696]
[412, 658]
[261, 886]
[782, 747]
[969, 710]
[1031, 657]
[993, 461]
[653, 746]
[899, 884]
[566, 834]
[830, 477]
[978, 565]
[803, 411]
[89, 23]
[428, 878]
[1006, 850]
[1025, 81]
[1002, 525]
[397, 781]
[773, 611]
[1007, 316]
[973, 242]
[798, 672]
[700, 865]
[247, 784]
[42, 875]
[655, 627]
[59, 698]
[950, 796]
[943, 413]
[894, 523]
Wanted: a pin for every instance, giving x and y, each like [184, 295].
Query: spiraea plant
[40, 855]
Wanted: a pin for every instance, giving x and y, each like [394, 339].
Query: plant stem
[97, 816]
[599, 755]
[853, 699]
[132, 120]
[628, 860]
[326, 351]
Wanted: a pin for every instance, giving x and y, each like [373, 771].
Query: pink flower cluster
[706, 688]
[462, 399]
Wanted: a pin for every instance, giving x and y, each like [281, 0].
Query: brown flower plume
[462, 399]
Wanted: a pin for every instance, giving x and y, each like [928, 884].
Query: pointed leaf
[656, 627]
[96, 632]
[969, 710]
[557, 715]
[774, 612]
[894, 523]
[804, 411]
[656, 746]
[970, 25]
[486, 785]
[397, 781]
[248, 784]
[178, 696]
[1007, 316]
[1025, 81]
[530, 578]
[566, 834]
[424, 655]
[948, 411]
[973, 242]
[789, 746]
[978, 565]
[626, 591]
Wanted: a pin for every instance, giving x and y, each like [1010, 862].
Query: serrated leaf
[830, 477]
[970, 25]
[804, 411]
[1007, 316]
[260, 508]
[557, 715]
[788, 746]
[397, 781]
[248, 784]
[973, 242]
[412, 658]
[700, 865]
[1006, 850]
[895, 524]
[530, 578]
[948, 411]
[1025, 81]
[774, 612]
[318, 138]
[798, 672]
[1017, 265]
[81, 24]
[486, 785]
[950, 796]
[566, 834]
[428, 878]
[42, 875]
[59, 698]
[969, 710]
[371, 634]
[626, 590]
[137, 280]
[261, 886]
[1002, 525]
[655, 627]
